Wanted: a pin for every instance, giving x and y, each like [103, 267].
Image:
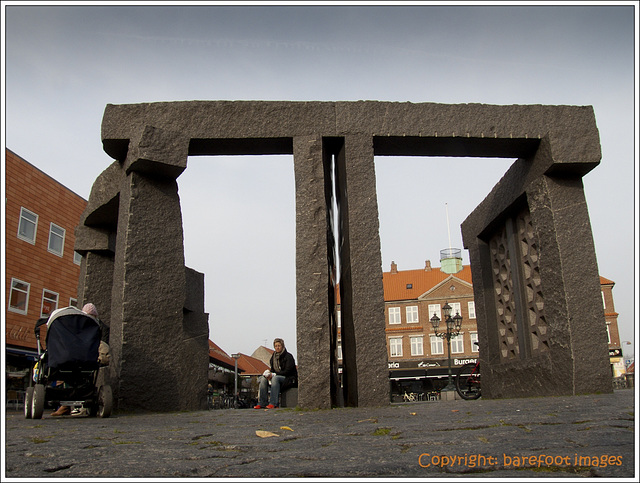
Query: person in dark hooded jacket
[282, 375]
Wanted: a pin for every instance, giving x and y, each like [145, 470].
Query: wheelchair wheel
[105, 401]
[38, 401]
[28, 403]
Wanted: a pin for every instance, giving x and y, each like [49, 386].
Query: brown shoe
[61, 411]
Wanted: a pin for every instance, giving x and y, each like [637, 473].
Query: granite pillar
[312, 273]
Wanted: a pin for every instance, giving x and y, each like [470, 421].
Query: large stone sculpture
[133, 265]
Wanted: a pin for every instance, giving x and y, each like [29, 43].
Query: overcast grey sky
[64, 64]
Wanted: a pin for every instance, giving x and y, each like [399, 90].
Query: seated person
[282, 375]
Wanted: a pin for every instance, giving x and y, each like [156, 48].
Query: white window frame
[604, 304]
[457, 344]
[471, 306]
[455, 308]
[47, 297]
[608, 333]
[73, 302]
[395, 346]
[435, 309]
[338, 319]
[417, 345]
[77, 259]
[437, 347]
[60, 237]
[25, 219]
[411, 313]
[395, 316]
[15, 308]
[474, 338]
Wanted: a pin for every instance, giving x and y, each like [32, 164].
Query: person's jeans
[276, 383]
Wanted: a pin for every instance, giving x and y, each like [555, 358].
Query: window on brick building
[394, 315]
[436, 345]
[412, 314]
[19, 296]
[395, 346]
[417, 348]
[455, 308]
[49, 302]
[434, 309]
[472, 309]
[56, 239]
[77, 259]
[27, 226]
[474, 339]
[457, 344]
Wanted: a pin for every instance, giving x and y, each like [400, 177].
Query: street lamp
[453, 329]
[235, 392]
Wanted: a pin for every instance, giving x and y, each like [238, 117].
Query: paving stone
[579, 436]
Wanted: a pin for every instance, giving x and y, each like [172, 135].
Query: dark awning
[30, 354]
[436, 372]
[404, 374]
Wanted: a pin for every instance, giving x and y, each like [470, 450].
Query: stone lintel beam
[429, 129]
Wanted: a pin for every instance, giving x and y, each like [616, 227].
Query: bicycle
[409, 397]
[468, 380]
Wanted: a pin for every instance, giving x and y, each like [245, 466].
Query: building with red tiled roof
[220, 357]
[251, 366]
[221, 369]
[410, 284]
[417, 358]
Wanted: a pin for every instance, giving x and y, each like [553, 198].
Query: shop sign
[462, 362]
[411, 364]
[425, 364]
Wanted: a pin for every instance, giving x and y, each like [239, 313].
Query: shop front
[417, 380]
[19, 362]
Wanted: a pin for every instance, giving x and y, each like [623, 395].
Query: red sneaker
[257, 406]
[271, 406]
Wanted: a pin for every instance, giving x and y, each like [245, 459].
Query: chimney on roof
[427, 265]
[394, 267]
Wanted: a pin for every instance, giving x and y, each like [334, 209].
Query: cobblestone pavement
[576, 436]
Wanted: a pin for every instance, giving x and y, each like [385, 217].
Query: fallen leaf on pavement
[286, 428]
[413, 414]
[266, 434]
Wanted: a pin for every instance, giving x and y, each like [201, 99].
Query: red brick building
[613, 336]
[418, 360]
[41, 267]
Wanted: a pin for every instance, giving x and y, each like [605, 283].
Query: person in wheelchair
[77, 346]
